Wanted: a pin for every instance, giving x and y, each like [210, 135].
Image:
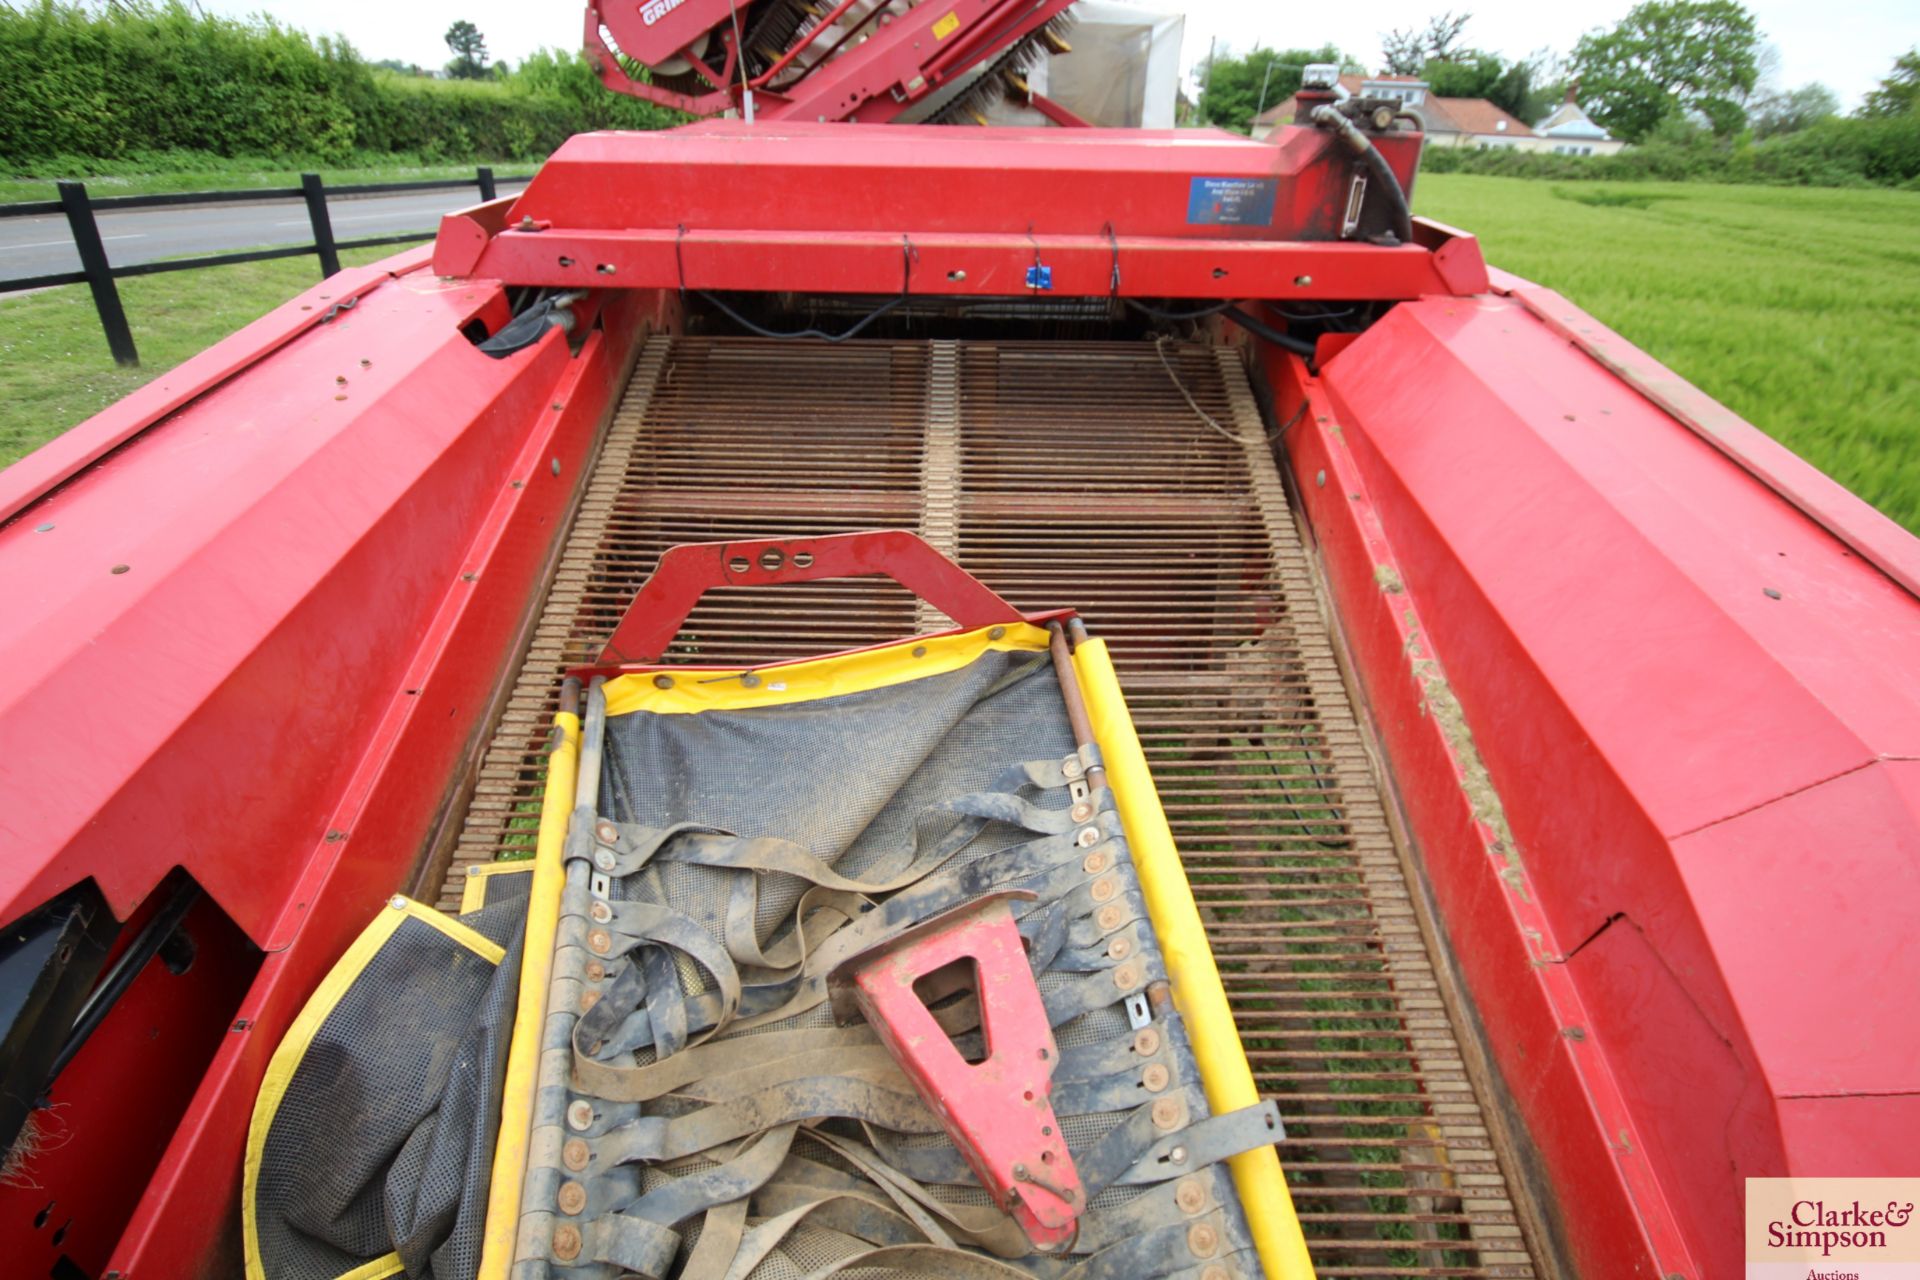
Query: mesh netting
[866, 782]
[382, 1141]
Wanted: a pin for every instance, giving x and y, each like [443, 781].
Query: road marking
[48, 244]
[362, 217]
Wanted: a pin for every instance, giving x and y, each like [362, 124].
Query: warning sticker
[947, 25]
[1232, 202]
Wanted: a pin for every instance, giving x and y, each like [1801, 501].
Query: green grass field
[1798, 308]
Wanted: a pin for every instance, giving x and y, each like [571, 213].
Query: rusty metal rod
[1070, 694]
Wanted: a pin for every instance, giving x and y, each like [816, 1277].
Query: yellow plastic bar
[1197, 992]
[536, 973]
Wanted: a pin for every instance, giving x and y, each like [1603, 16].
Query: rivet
[1126, 977]
[1155, 1077]
[1320, 479]
[1770, 593]
[575, 1154]
[596, 972]
[1109, 917]
[580, 1115]
[1082, 811]
[1146, 1042]
[1120, 948]
[1019, 1173]
[997, 633]
[1104, 889]
[748, 680]
[600, 912]
[556, 466]
[919, 651]
[1095, 862]
[588, 999]
[663, 682]
[572, 1197]
[606, 831]
[1087, 837]
[1215, 1271]
[1203, 1240]
[397, 902]
[43, 528]
[1190, 1195]
[600, 940]
[119, 568]
[1168, 1113]
[604, 859]
[1073, 768]
[1178, 1155]
[566, 1242]
[1303, 281]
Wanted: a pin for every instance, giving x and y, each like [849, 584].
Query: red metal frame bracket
[687, 572]
[998, 1111]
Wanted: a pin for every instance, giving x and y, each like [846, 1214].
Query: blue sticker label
[1232, 202]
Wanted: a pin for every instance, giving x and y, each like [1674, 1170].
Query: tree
[469, 49]
[1235, 88]
[1511, 86]
[1899, 93]
[1406, 52]
[1668, 57]
[1790, 111]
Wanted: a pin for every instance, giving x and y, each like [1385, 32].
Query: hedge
[141, 78]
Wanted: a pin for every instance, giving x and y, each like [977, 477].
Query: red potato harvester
[1509, 835]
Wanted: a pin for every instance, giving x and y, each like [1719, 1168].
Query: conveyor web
[1077, 474]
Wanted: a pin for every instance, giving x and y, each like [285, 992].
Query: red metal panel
[689, 571]
[1663, 666]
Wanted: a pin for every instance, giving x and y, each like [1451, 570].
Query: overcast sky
[1845, 44]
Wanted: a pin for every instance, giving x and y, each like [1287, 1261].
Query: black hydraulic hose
[132, 962]
[1361, 145]
[1266, 332]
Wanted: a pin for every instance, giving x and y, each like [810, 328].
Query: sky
[1848, 45]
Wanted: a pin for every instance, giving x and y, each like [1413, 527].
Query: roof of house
[1569, 120]
[1471, 116]
[1283, 111]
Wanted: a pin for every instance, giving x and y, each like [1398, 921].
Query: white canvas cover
[1123, 73]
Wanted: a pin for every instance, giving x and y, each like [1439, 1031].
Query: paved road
[43, 246]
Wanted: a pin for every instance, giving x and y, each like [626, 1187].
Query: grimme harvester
[1540, 743]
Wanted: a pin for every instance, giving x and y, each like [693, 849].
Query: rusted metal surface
[1175, 541]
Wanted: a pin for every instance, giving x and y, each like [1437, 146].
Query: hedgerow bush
[137, 78]
[1848, 152]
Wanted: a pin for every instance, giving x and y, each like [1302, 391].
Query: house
[1465, 122]
[1569, 131]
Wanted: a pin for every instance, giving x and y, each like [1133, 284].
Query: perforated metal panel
[1078, 474]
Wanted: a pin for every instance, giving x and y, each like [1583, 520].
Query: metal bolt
[1178, 1155]
[919, 651]
[1215, 1271]
[606, 832]
[600, 940]
[1320, 479]
[1073, 768]
[1104, 889]
[1770, 593]
[1126, 977]
[997, 633]
[1303, 281]
[580, 1115]
[663, 682]
[572, 1197]
[1203, 1240]
[43, 528]
[1190, 1195]
[1110, 917]
[600, 912]
[119, 568]
[1019, 1173]
[575, 1154]
[748, 680]
[1155, 1077]
[1087, 837]
[1168, 1113]
[1095, 863]
[596, 971]
[588, 999]
[1082, 811]
[604, 859]
[1120, 948]
[566, 1242]
[1146, 1042]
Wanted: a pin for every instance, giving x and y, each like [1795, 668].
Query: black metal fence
[99, 274]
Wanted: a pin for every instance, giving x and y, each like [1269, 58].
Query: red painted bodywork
[1672, 833]
[1698, 704]
[872, 70]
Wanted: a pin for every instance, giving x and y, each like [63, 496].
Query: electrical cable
[906, 282]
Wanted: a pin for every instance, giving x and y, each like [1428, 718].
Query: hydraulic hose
[1262, 330]
[1361, 145]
